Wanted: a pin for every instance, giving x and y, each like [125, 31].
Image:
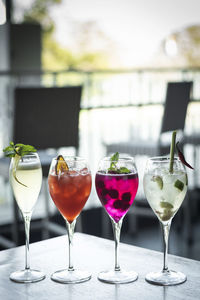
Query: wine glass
[26, 179]
[69, 187]
[165, 190]
[116, 190]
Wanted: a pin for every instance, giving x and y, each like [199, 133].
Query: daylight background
[114, 33]
[123, 53]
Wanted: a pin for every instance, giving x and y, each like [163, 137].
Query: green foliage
[85, 35]
[90, 60]
[39, 13]
[55, 57]
[188, 44]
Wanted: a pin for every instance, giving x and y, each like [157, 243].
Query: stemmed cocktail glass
[116, 185]
[70, 185]
[165, 189]
[26, 179]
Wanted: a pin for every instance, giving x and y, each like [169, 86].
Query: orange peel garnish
[61, 165]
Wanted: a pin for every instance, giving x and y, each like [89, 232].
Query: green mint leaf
[113, 165]
[10, 153]
[9, 148]
[19, 145]
[115, 157]
[114, 160]
[24, 149]
[19, 149]
[123, 170]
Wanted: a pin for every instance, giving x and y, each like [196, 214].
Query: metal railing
[117, 105]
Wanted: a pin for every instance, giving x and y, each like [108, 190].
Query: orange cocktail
[69, 186]
[70, 191]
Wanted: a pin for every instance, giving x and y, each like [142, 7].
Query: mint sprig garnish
[17, 151]
[114, 159]
[123, 170]
[113, 165]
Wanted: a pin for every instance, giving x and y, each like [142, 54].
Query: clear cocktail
[30, 174]
[26, 179]
[165, 190]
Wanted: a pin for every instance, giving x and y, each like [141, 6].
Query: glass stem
[165, 230]
[27, 220]
[117, 231]
[70, 231]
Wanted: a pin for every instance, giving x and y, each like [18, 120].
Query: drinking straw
[172, 150]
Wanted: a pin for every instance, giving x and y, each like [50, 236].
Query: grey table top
[94, 254]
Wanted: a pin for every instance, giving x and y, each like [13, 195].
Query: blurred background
[123, 54]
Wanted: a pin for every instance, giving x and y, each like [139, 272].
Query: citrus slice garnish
[61, 165]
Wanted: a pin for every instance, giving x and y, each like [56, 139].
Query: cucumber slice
[159, 181]
[167, 205]
[167, 214]
[179, 185]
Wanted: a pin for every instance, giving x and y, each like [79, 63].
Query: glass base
[27, 276]
[75, 276]
[118, 276]
[166, 278]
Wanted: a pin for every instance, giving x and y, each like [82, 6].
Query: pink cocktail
[116, 185]
[116, 192]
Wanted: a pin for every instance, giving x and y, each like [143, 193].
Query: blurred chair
[194, 141]
[178, 95]
[175, 108]
[46, 118]
[191, 209]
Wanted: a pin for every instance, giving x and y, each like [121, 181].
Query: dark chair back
[177, 98]
[47, 117]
